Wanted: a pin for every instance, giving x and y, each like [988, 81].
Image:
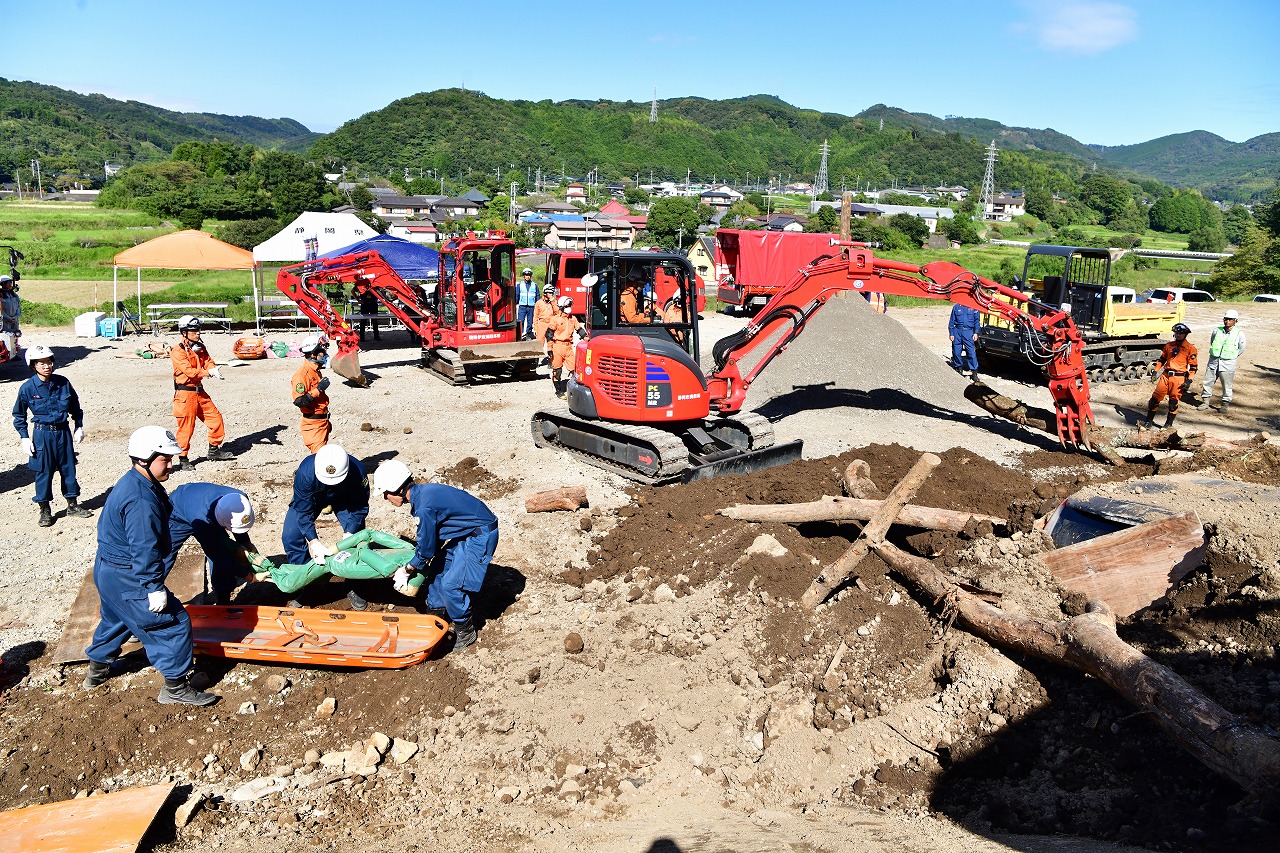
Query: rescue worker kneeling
[129, 572]
[559, 334]
[220, 518]
[457, 537]
[309, 392]
[1176, 366]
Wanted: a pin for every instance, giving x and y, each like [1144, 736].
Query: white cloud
[1082, 27]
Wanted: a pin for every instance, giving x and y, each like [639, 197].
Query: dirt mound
[467, 473]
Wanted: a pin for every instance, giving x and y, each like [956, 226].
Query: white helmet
[188, 323]
[565, 301]
[526, 271]
[234, 512]
[148, 442]
[6, 279]
[1232, 314]
[312, 343]
[548, 288]
[38, 353]
[332, 464]
[391, 476]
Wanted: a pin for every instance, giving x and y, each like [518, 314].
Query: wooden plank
[1131, 568]
[186, 581]
[111, 823]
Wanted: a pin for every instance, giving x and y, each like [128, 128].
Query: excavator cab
[477, 285]
[647, 294]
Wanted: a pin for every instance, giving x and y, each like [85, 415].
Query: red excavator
[466, 317]
[640, 405]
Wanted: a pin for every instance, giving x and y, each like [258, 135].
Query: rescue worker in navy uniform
[962, 328]
[129, 571]
[457, 537]
[330, 477]
[219, 517]
[50, 400]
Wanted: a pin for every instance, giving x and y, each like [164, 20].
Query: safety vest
[1225, 345]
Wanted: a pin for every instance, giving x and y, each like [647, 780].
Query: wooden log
[1131, 568]
[874, 530]
[857, 481]
[556, 500]
[1222, 741]
[830, 508]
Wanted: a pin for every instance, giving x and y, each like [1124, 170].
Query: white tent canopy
[329, 230]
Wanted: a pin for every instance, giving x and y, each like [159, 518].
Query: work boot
[1150, 421]
[1225, 407]
[356, 600]
[182, 463]
[1204, 404]
[74, 510]
[46, 514]
[97, 675]
[219, 454]
[973, 375]
[1168, 421]
[464, 634]
[178, 691]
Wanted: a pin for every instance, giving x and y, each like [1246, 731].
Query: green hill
[1234, 171]
[74, 133]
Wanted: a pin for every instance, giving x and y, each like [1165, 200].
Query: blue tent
[408, 259]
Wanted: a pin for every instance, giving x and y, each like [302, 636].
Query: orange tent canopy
[186, 250]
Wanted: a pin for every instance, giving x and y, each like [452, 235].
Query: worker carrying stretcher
[220, 518]
[309, 392]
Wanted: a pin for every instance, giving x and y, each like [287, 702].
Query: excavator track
[657, 457]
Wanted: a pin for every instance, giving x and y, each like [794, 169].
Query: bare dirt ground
[645, 679]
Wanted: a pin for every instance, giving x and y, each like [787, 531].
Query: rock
[634, 593]
[326, 709]
[688, 722]
[408, 430]
[247, 708]
[283, 771]
[569, 786]
[573, 643]
[572, 770]
[274, 684]
[403, 750]
[895, 599]
[507, 795]
[366, 427]
[250, 758]
[766, 544]
[257, 789]
[662, 630]
[585, 523]
[187, 810]
[572, 594]
[663, 593]
[311, 756]
[372, 758]
[335, 760]
[380, 742]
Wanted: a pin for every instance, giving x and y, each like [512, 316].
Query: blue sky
[1111, 73]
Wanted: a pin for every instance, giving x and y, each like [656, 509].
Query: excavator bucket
[347, 365]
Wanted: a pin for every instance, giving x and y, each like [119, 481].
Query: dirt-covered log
[830, 508]
[857, 480]
[1222, 741]
[564, 498]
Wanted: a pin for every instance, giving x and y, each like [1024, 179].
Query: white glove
[318, 550]
[29, 447]
[216, 373]
[77, 435]
[400, 580]
[157, 600]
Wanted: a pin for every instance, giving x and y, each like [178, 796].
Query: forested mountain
[74, 133]
[1236, 171]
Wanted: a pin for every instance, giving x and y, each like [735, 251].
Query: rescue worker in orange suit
[309, 392]
[543, 313]
[631, 308]
[1176, 367]
[559, 334]
[192, 364]
[673, 313]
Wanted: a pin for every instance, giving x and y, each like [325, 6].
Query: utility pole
[513, 202]
[680, 238]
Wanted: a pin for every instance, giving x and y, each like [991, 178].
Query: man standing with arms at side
[962, 328]
[1176, 368]
[526, 299]
[10, 307]
[330, 477]
[309, 392]
[1226, 344]
[51, 401]
[129, 571]
[192, 364]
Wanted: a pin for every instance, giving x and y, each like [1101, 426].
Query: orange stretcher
[302, 636]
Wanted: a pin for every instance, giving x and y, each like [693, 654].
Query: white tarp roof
[332, 230]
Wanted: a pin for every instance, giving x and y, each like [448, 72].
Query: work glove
[400, 580]
[29, 447]
[216, 373]
[77, 435]
[318, 550]
[157, 600]
[324, 384]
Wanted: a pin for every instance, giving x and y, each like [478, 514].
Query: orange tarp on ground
[186, 250]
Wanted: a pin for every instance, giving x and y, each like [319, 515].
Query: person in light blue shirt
[526, 299]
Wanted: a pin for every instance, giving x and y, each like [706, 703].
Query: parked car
[1177, 294]
[1266, 297]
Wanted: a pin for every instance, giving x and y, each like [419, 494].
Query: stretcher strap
[389, 636]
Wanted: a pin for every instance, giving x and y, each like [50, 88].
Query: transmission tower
[653, 109]
[987, 198]
[820, 186]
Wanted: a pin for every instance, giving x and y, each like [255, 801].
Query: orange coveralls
[543, 312]
[190, 402]
[315, 417]
[631, 305]
[1176, 366]
[563, 351]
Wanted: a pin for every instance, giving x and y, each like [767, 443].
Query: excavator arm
[366, 272]
[1048, 335]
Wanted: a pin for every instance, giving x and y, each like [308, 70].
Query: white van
[1121, 295]
[1266, 297]
[1180, 294]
